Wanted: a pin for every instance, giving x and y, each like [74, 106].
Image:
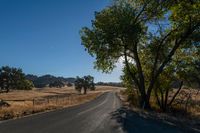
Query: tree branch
[140, 71]
[142, 10]
[129, 69]
[172, 100]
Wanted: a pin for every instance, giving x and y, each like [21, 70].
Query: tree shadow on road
[133, 122]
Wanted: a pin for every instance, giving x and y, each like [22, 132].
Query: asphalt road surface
[102, 115]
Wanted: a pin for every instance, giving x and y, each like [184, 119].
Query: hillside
[45, 80]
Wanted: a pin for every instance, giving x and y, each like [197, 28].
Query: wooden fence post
[56, 100]
[33, 102]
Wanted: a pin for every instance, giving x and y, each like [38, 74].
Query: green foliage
[13, 78]
[112, 29]
[127, 81]
[24, 85]
[188, 67]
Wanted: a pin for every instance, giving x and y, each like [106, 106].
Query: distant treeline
[117, 84]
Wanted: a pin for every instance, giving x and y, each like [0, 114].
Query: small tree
[85, 83]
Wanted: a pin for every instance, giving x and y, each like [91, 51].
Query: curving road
[102, 115]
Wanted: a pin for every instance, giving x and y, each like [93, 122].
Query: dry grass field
[39, 100]
[35, 93]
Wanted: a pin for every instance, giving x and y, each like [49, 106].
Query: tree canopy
[150, 35]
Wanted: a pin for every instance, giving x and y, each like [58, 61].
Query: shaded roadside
[133, 122]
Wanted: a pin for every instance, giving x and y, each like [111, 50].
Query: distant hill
[45, 80]
[31, 77]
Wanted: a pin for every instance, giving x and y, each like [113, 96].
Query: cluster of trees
[58, 84]
[117, 84]
[13, 78]
[85, 83]
[159, 41]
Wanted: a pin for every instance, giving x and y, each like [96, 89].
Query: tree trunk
[144, 103]
[157, 97]
[177, 92]
[85, 90]
[166, 100]
[7, 89]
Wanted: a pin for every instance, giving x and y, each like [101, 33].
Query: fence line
[47, 100]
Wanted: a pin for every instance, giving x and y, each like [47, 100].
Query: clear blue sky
[42, 37]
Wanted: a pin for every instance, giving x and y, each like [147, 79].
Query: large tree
[146, 33]
[13, 78]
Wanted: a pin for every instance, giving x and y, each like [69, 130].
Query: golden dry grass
[191, 97]
[35, 93]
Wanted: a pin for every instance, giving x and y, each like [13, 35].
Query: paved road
[102, 115]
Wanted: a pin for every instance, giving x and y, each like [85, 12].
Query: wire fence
[54, 100]
[48, 100]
